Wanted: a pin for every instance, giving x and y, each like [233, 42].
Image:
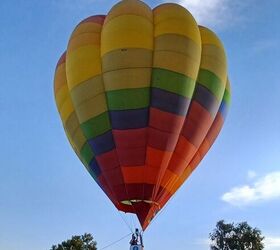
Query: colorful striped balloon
[142, 94]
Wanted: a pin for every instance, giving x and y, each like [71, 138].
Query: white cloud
[207, 11]
[211, 13]
[272, 243]
[215, 13]
[265, 188]
[251, 174]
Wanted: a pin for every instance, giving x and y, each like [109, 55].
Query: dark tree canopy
[83, 242]
[239, 236]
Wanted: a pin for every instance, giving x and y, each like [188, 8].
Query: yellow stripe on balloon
[66, 110]
[60, 77]
[179, 63]
[61, 96]
[87, 90]
[72, 124]
[172, 18]
[213, 56]
[209, 37]
[126, 31]
[127, 58]
[127, 78]
[86, 27]
[132, 7]
[228, 86]
[83, 40]
[79, 139]
[67, 113]
[178, 43]
[97, 104]
[215, 66]
[82, 64]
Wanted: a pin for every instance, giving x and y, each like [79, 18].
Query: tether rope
[125, 221]
[115, 242]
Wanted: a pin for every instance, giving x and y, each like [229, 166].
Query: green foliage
[83, 242]
[239, 236]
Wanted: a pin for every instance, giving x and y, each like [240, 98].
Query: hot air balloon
[142, 94]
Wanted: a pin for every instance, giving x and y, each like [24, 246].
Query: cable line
[115, 242]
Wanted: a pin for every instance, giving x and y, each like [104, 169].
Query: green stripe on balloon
[211, 82]
[227, 97]
[96, 126]
[86, 153]
[128, 99]
[173, 82]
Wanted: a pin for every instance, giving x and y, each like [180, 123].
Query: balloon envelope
[142, 94]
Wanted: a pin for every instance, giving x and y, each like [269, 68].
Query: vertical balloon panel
[126, 50]
[205, 103]
[176, 59]
[84, 76]
[71, 123]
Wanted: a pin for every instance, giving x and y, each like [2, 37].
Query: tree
[239, 236]
[83, 242]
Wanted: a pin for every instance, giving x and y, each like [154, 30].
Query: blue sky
[45, 193]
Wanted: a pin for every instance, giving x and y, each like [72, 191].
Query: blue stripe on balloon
[223, 109]
[169, 102]
[93, 165]
[102, 143]
[206, 99]
[129, 119]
